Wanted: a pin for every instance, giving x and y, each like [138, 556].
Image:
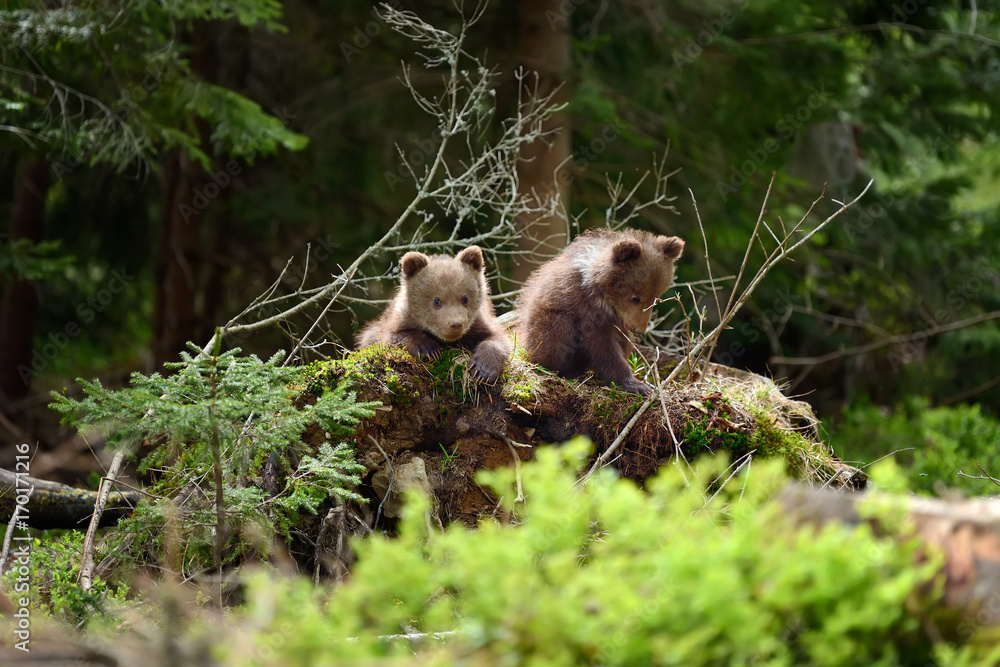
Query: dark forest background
[160, 163]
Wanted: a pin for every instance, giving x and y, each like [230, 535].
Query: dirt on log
[438, 427]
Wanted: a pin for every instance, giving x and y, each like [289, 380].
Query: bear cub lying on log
[443, 299]
[578, 310]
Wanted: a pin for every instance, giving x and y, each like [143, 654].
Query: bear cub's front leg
[610, 363]
[605, 282]
[418, 343]
[443, 300]
[488, 358]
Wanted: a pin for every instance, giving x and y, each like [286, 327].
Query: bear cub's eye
[635, 299]
[437, 302]
[465, 301]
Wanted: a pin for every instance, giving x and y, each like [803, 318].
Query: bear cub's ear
[413, 262]
[473, 257]
[671, 246]
[626, 250]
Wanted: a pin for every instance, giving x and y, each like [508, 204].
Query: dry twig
[461, 180]
[86, 577]
[698, 350]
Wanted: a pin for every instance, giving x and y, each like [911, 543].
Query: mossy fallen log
[438, 427]
[54, 505]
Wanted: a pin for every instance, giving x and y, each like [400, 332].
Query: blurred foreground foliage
[605, 573]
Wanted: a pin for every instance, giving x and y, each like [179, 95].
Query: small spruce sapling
[245, 405]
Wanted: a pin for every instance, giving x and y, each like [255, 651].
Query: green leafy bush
[933, 444]
[52, 587]
[606, 573]
[242, 413]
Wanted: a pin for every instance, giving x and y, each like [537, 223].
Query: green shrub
[605, 573]
[240, 413]
[933, 444]
[52, 588]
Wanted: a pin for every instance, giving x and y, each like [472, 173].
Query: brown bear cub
[443, 299]
[578, 310]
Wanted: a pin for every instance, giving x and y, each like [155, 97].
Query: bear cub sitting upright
[443, 299]
[578, 310]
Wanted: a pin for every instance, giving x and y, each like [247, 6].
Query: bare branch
[86, 577]
[462, 179]
[891, 340]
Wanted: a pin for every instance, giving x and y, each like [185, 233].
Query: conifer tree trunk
[177, 263]
[20, 303]
[188, 206]
[544, 51]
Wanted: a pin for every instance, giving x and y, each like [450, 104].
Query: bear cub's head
[443, 294]
[634, 268]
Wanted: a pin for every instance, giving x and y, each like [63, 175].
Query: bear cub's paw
[423, 345]
[636, 387]
[487, 361]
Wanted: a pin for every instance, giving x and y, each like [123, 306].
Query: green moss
[522, 391]
[770, 439]
[311, 376]
[764, 437]
[604, 409]
[519, 379]
[375, 364]
[702, 435]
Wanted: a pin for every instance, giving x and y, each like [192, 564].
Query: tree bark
[545, 52]
[20, 305]
[185, 213]
[177, 264]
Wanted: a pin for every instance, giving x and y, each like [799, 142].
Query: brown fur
[443, 299]
[578, 310]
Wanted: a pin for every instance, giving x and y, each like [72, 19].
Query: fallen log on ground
[967, 531]
[54, 505]
[438, 427]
